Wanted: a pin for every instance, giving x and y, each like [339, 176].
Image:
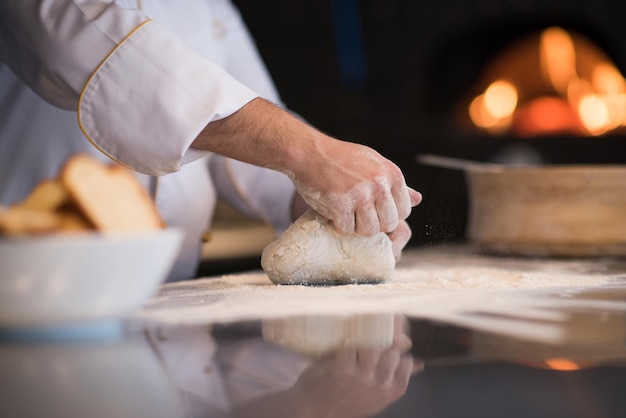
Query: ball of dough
[310, 251]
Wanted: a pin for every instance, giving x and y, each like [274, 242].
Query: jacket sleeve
[142, 95]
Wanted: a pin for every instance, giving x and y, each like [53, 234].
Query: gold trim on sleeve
[90, 79]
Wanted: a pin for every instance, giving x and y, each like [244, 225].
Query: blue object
[90, 331]
[349, 42]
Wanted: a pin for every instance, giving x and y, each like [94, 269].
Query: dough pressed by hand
[310, 251]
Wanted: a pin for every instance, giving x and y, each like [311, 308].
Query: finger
[366, 222]
[402, 199]
[367, 361]
[418, 366]
[399, 238]
[403, 343]
[345, 222]
[404, 371]
[401, 332]
[387, 212]
[415, 196]
[385, 205]
[387, 367]
[343, 362]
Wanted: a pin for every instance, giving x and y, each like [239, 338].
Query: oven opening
[540, 92]
[548, 83]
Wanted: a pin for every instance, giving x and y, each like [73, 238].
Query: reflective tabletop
[455, 334]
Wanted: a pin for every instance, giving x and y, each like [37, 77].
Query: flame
[594, 114]
[557, 57]
[478, 113]
[562, 364]
[606, 79]
[547, 115]
[500, 99]
[577, 89]
[494, 108]
[609, 84]
[587, 100]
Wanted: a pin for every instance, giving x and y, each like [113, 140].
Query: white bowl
[60, 280]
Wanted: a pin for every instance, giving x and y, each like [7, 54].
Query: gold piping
[89, 80]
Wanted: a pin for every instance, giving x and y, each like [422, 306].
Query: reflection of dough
[319, 335]
[310, 251]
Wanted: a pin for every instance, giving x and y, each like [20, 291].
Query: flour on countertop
[448, 286]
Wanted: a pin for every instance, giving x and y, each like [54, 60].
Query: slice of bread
[18, 221]
[49, 195]
[110, 197]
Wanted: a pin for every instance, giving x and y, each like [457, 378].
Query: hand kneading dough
[310, 251]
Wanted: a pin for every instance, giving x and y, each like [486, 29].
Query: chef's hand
[399, 237]
[355, 187]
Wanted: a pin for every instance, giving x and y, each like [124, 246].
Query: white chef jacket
[134, 81]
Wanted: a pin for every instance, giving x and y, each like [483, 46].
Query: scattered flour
[481, 292]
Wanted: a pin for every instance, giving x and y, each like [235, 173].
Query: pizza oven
[513, 82]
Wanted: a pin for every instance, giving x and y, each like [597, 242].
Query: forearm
[260, 133]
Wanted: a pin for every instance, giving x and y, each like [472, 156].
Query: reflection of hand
[360, 382]
[345, 383]
[355, 382]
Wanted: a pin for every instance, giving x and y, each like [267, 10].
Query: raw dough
[310, 251]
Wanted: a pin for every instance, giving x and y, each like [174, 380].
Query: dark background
[388, 73]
